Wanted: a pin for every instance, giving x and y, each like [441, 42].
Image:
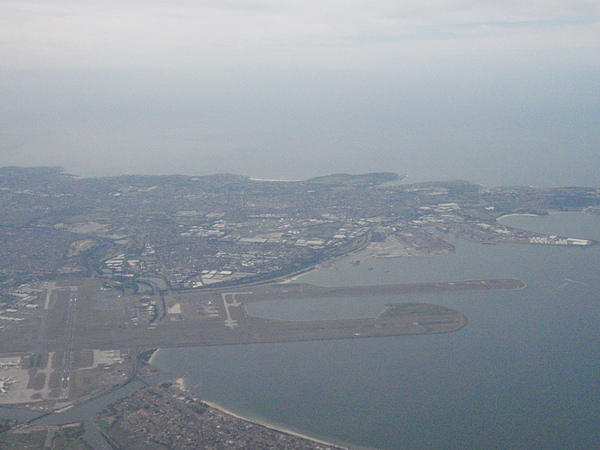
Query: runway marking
[50, 286]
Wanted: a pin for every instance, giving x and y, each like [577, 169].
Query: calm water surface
[524, 373]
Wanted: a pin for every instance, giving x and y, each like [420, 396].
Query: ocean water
[524, 373]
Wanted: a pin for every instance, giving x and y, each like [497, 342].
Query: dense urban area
[166, 417]
[194, 232]
[95, 271]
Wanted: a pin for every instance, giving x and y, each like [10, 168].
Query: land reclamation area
[85, 337]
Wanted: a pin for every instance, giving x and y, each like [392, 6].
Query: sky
[495, 92]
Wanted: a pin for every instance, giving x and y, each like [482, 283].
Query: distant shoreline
[275, 181]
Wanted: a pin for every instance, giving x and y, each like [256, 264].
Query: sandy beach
[295, 277]
[181, 384]
[269, 425]
[153, 357]
[517, 214]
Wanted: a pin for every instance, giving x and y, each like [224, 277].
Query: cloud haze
[74, 33]
[297, 89]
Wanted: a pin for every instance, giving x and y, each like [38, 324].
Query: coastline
[275, 181]
[153, 357]
[542, 215]
[293, 278]
[270, 425]
[182, 385]
[372, 250]
[517, 214]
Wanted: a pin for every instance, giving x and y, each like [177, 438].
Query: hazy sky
[498, 92]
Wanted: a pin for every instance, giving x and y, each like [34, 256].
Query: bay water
[524, 372]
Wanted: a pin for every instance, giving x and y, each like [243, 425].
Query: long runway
[232, 325]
